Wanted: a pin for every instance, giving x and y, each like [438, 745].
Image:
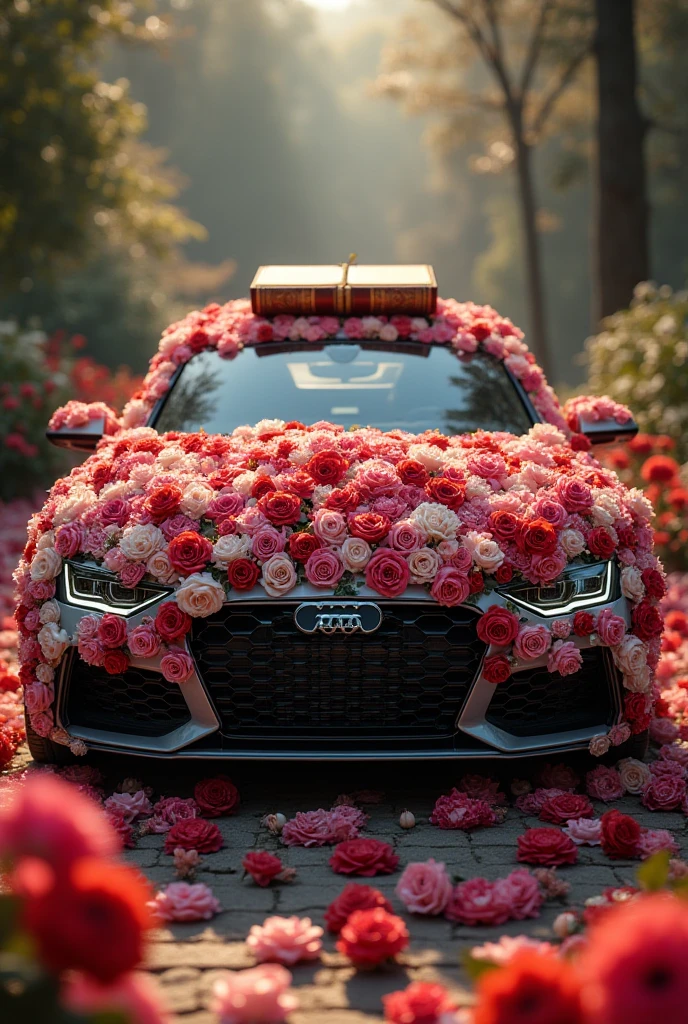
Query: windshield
[404, 386]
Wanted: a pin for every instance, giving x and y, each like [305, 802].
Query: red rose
[189, 552]
[600, 542]
[216, 796]
[448, 492]
[171, 622]
[387, 572]
[620, 834]
[534, 987]
[299, 483]
[449, 587]
[353, 897]
[327, 467]
[343, 499]
[538, 537]
[498, 626]
[243, 574]
[115, 662]
[112, 630]
[505, 525]
[371, 936]
[194, 834]
[422, 1002]
[580, 443]
[504, 574]
[281, 508]
[548, 846]
[647, 620]
[559, 809]
[497, 668]
[365, 857]
[262, 867]
[163, 502]
[583, 623]
[370, 526]
[636, 712]
[664, 792]
[92, 920]
[302, 545]
[655, 584]
[476, 581]
[263, 485]
[412, 472]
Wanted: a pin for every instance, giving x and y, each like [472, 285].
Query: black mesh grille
[534, 701]
[266, 678]
[137, 701]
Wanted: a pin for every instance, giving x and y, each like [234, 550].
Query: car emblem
[338, 617]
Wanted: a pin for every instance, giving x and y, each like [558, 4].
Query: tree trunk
[621, 256]
[537, 339]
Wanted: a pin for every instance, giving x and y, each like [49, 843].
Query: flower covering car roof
[528, 530]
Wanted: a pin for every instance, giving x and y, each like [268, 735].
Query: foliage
[40, 373]
[640, 358]
[68, 141]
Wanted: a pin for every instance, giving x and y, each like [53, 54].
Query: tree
[532, 54]
[69, 156]
[621, 200]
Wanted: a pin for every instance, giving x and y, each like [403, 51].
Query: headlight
[582, 587]
[89, 586]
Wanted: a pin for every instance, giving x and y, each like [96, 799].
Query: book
[344, 289]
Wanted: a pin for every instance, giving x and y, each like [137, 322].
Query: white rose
[429, 455]
[139, 542]
[446, 549]
[200, 595]
[279, 575]
[600, 516]
[53, 640]
[230, 547]
[45, 674]
[268, 426]
[634, 774]
[355, 554]
[243, 483]
[636, 502]
[50, 612]
[45, 564]
[321, 493]
[169, 457]
[423, 564]
[46, 540]
[486, 553]
[638, 682]
[195, 499]
[438, 521]
[159, 565]
[632, 585]
[476, 487]
[142, 474]
[630, 655]
[573, 542]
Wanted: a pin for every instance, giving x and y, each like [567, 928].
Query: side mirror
[607, 431]
[78, 439]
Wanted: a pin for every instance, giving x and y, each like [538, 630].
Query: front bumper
[261, 690]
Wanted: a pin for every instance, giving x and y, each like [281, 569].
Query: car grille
[535, 702]
[137, 701]
[268, 679]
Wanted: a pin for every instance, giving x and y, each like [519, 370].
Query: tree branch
[559, 88]
[536, 40]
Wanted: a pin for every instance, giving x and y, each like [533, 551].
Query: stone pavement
[186, 957]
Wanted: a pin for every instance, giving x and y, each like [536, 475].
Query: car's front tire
[43, 750]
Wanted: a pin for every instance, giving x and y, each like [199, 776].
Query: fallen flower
[559, 809]
[194, 834]
[541, 980]
[353, 897]
[122, 828]
[321, 827]
[371, 936]
[458, 810]
[186, 862]
[421, 1002]
[584, 831]
[547, 846]
[259, 995]
[653, 840]
[620, 834]
[273, 822]
[506, 948]
[285, 939]
[603, 783]
[131, 806]
[365, 857]
[216, 796]
[553, 887]
[424, 887]
[180, 901]
[263, 867]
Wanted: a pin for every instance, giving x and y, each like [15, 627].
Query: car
[364, 537]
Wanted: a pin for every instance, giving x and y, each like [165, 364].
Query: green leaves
[653, 873]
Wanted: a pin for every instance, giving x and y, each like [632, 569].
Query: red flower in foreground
[171, 622]
[371, 936]
[353, 897]
[423, 1002]
[533, 988]
[498, 626]
[189, 551]
[620, 834]
[216, 796]
[366, 857]
[93, 921]
[634, 967]
[548, 846]
[194, 834]
[262, 866]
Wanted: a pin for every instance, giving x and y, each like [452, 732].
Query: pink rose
[176, 665]
[180, 901]
[664, 793]
[424, 888]
[112, 630]
[522, 894]
[564, 658]
[478, 901]
[324, 568]
[603, 783]
[561, 629]
[267, 542]
[450, 587]
[114, 512]
[329, 526]
[143, 641]
[37, 697]
[575, 495]
[654, 840]
[406, 536]
[130, 806]
[532, 642]
[132, 573]
[42, 722]
[610, 627]
[285, 940]
[69, 539]
[87, 627]
[584, 831]
[91, 651]
[387, 572]
[257, 994]
[545, 568]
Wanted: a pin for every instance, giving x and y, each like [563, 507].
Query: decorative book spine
[345, 300]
